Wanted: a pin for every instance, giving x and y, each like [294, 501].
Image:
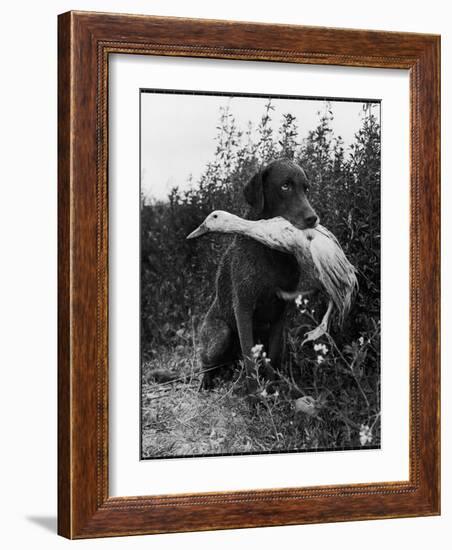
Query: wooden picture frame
[85, 42]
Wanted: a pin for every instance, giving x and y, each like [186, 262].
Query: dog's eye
[285, 187]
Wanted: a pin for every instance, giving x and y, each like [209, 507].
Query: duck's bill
[201, 230]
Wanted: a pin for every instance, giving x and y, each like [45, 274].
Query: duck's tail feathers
[336, 273]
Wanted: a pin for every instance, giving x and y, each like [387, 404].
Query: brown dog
[246, 308]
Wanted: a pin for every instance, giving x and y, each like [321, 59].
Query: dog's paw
[286, 296]
[206, 382]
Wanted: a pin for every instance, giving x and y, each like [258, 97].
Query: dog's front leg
[244, 320]
[277, 341]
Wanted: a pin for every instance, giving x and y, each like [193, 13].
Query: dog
[246, 308]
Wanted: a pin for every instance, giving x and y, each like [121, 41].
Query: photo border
[85, 42]
[250, 95]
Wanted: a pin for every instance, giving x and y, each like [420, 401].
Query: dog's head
[280, 189]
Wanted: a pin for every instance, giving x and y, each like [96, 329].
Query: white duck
[317, 251]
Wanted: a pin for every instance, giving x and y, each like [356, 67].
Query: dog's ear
[254, 191]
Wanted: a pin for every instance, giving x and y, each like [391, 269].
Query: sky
[178, 131]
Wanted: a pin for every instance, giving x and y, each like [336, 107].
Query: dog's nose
[311, 221]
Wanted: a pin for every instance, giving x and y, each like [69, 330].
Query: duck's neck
[267, 232]
[240, 226]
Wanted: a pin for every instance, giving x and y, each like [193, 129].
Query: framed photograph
[248, 275]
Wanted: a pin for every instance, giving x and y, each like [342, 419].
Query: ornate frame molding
[85, 42]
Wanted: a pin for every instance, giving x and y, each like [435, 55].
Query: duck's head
[217, 221]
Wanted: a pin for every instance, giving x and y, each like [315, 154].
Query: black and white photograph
[260, 225]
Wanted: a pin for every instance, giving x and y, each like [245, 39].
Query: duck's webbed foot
[322, 329]
[315, 334]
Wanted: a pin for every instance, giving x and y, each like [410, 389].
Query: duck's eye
[285, 187]
[215, 216]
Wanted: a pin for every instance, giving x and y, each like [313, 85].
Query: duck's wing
[276, 233]
[327, 233]
[336, 272]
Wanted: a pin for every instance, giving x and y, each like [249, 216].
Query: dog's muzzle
[201, 230]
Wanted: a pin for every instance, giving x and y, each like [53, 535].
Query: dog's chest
[280, 270]
[261, 267]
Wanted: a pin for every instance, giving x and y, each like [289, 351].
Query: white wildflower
[257, 350]
[321, 348]
[298, 300]
[320, 359]
[361, 340]
[264, 393]
[365, 434]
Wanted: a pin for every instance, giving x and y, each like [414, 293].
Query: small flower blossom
[320, 359]
[365, 435]
[298, 300]
[264, 393]
[257, 350]
[321, 348]
[361, 340]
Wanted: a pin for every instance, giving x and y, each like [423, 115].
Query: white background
[128, 476]
[193, 120]
[28, 274]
